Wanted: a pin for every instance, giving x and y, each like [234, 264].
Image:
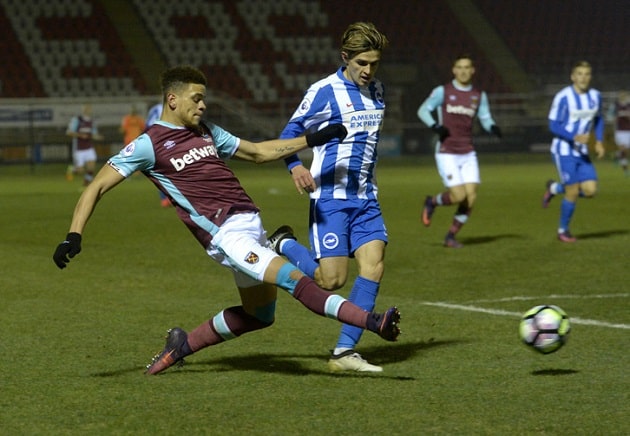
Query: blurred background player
[154, 114]
[456, 103]
[576, 110]
[83, 131]
[619, 114]
[345, 216]
[131, 126]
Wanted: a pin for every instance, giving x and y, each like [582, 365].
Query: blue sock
[299, 256]
[363, 294]
[566, 212]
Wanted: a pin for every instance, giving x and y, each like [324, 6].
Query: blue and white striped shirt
[154, 114]
[342, 170]
[575, 114]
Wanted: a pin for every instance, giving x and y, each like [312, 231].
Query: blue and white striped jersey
[154, 114]
[342, 170]
[575, 114]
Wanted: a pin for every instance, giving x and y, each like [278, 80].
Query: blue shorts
[574, 169]
[340, 227]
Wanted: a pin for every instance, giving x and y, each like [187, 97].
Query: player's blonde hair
[360, 37]
[581, 64]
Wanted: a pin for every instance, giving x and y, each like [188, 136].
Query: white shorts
[81, 157]
[458, 169]
[241, 245]
[622, 138]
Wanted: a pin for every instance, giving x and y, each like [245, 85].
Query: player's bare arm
[105, 180]
[276, 149]
[267, 151]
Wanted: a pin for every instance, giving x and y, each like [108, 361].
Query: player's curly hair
[360, 37]
[174, 78]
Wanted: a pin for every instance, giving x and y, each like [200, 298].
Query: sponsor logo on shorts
[330, 241]
[252, 258]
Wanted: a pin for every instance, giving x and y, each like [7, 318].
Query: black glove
[441, 131]
[68, 248]
[323, 136]
[496, 131]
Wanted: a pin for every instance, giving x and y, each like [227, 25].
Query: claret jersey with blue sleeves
[188, 165]
[456, 107]
[342, 170]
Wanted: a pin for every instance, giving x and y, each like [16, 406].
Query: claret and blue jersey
[456, 106]
[190, 168]
[342, 170]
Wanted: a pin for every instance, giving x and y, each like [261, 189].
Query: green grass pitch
[75, 342]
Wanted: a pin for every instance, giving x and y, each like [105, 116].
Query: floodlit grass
[75, 342]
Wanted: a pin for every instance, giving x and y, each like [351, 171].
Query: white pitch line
[552, 296]
[517, 314]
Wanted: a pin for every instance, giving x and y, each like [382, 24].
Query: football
[545, 328]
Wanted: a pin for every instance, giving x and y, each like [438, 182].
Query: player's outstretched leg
[228, 324]
[324, 303]
[385, 324]
[172, 353]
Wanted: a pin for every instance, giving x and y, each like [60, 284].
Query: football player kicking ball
[184, 157]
